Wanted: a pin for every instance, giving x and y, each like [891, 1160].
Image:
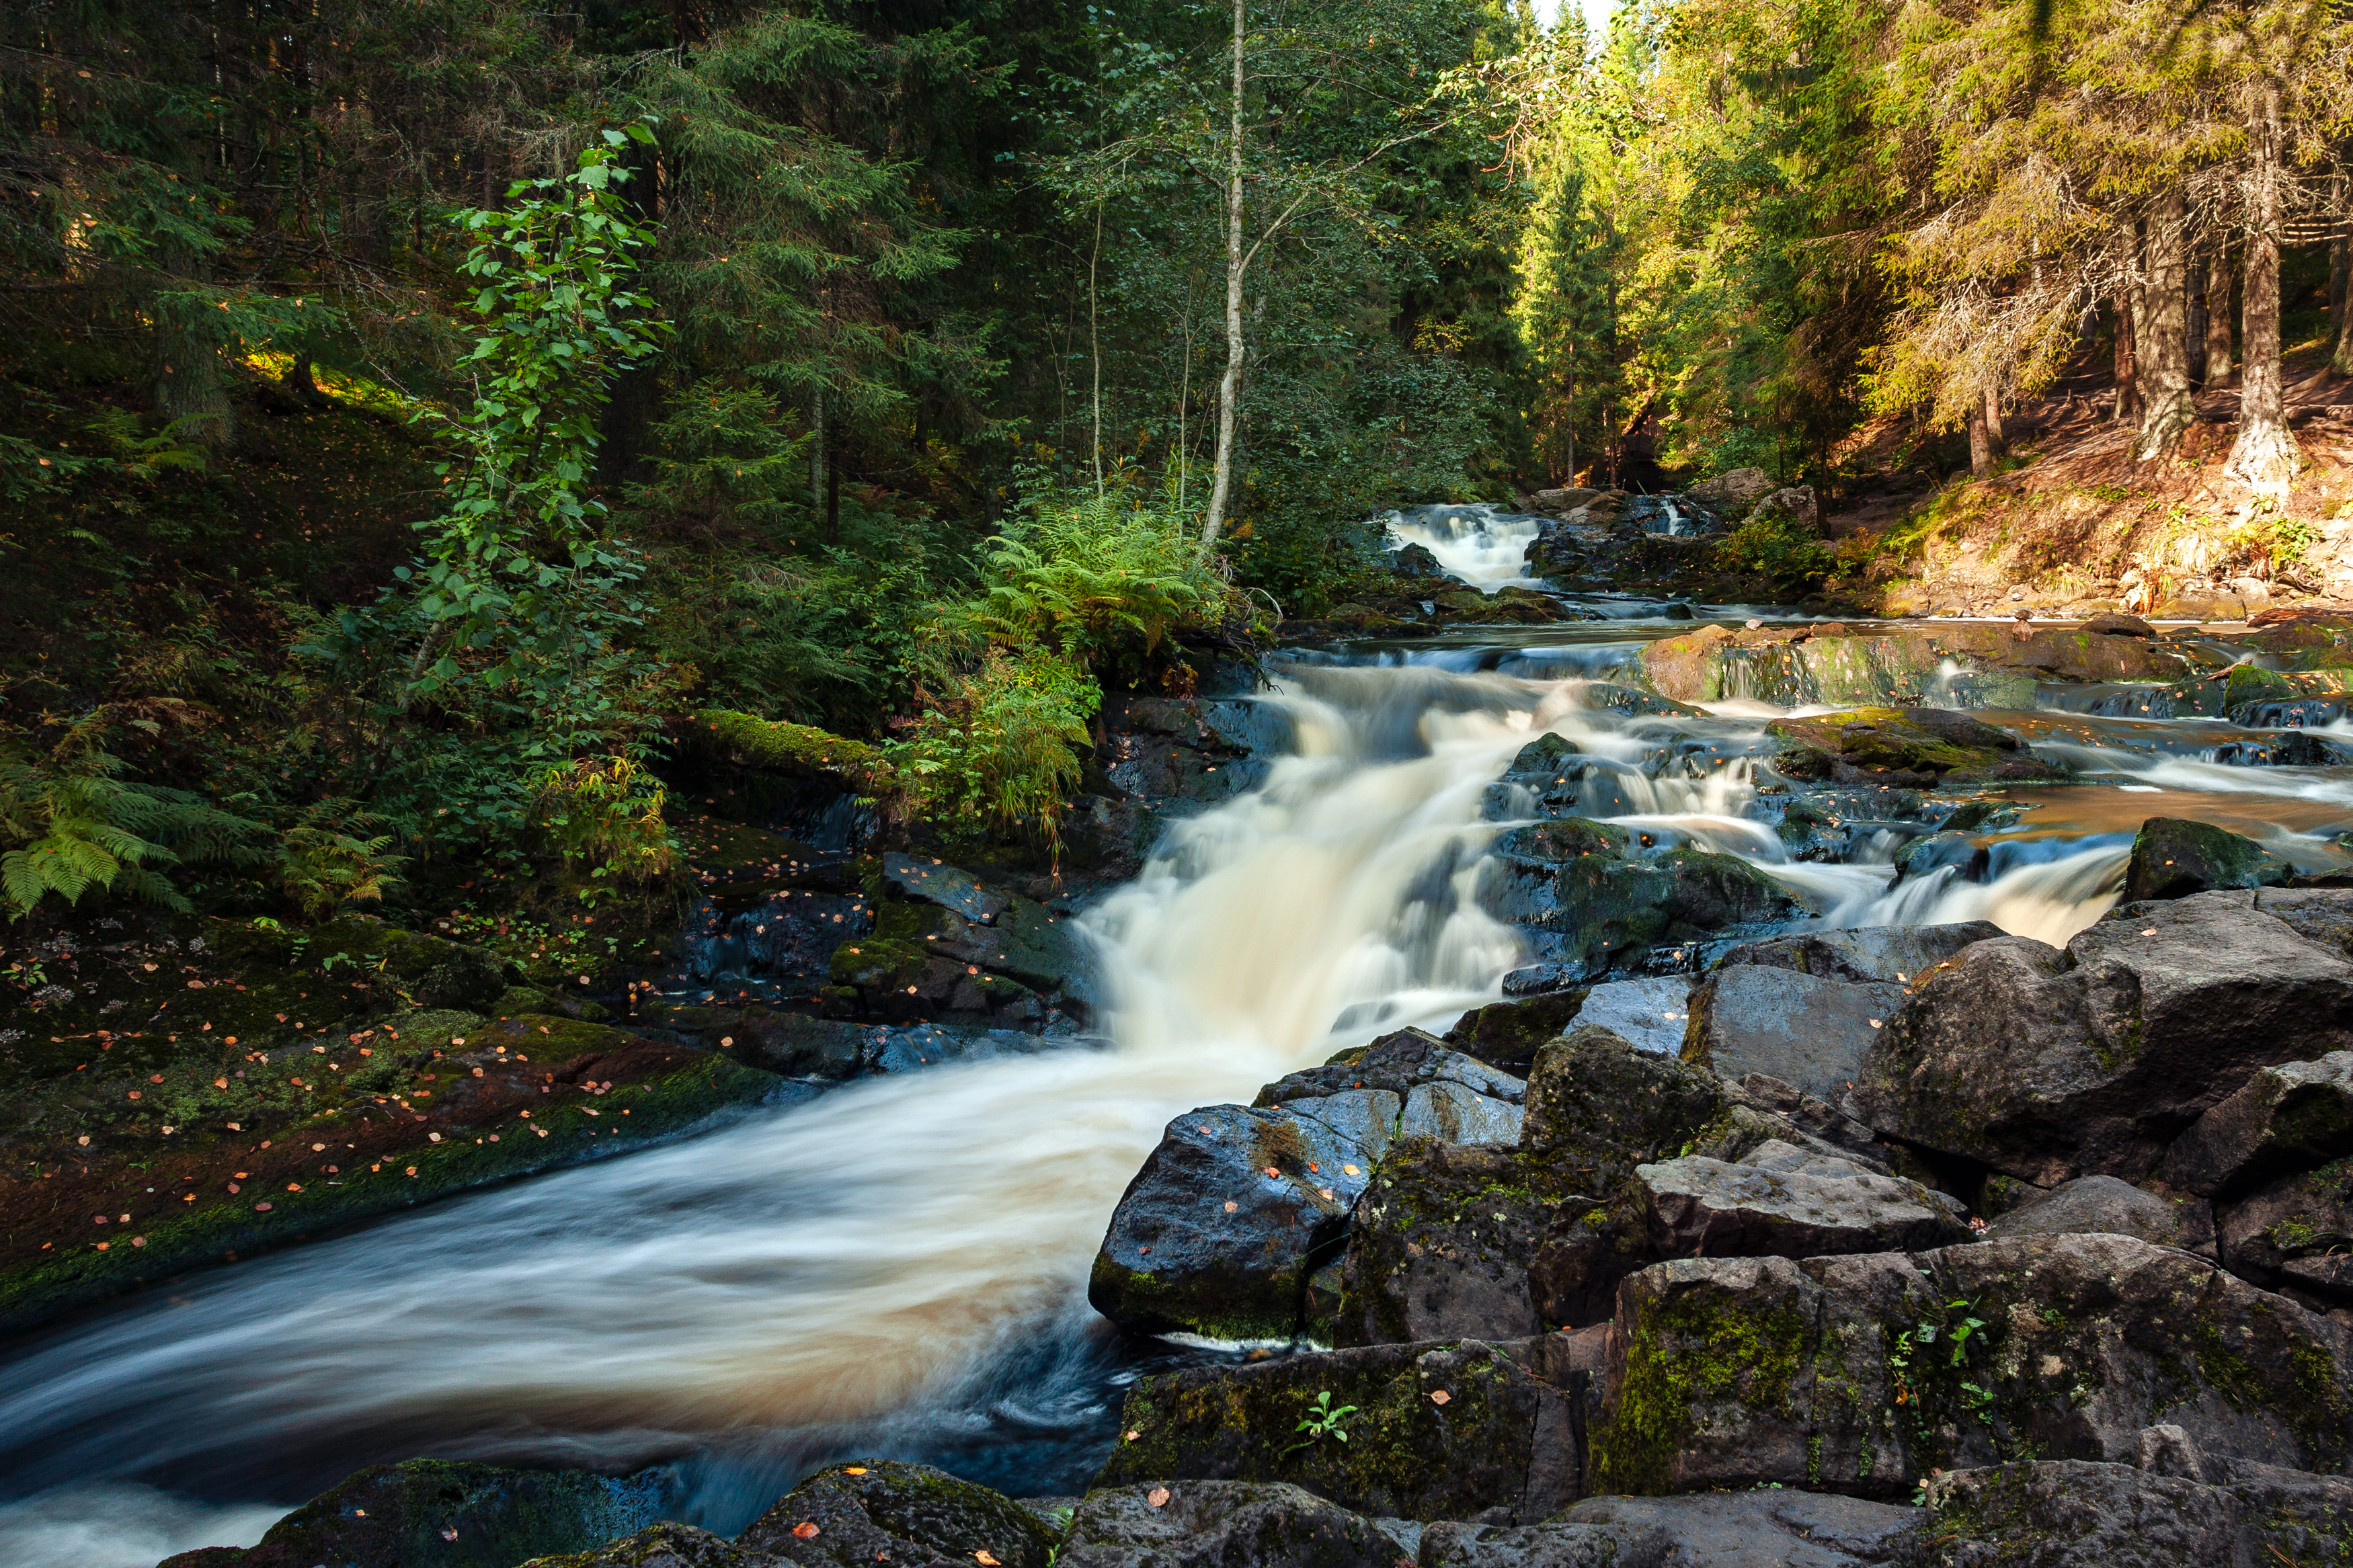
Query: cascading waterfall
[1480, 543]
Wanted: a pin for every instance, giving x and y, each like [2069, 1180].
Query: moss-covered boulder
[2045, 1064]
[2293, 1117]
[1602, 1108]
[1437, 1431]
[1795, 666]
[440, 1513]
[1508, 1034]
[1864, 1374]
[1589, 902]
[1911, 746]
[879, 1511]
[1438, 1248]
[2293, 1235]
[657, 1546]
[2173, 858]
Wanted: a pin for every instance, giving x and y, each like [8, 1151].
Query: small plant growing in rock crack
[1969, 1324]
[1321, 1421]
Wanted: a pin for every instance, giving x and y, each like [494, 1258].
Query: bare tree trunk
[1994, 436]
[2264, 456]
[1980, 448]
[2220, 371]
[2340, 278]
[2162, 346]
[817, 452]
[2194, 338]
[2128, 409]
[1095, 343]
[1229, 388]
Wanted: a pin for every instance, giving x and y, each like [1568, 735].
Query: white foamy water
[1480, 543]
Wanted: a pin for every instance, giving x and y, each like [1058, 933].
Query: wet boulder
[1543, 780]
[1587, 903]
[1911, 746]
[1219, 1232]
[2173, 858]
[442, 1513]
[2046, 1064]
[1809, 1032]
[2071, 1513]
[1451, 1430]
[879, 1510]
[1438, 1248]
[1506, 1036]
[2105, 1206]
[1219, 1525]
[1601, 1108]
[1440, 1092]
[1416, 561]
[1756, 1529]
[2286, 1118]
[1864, 1373]
[1782, 1201]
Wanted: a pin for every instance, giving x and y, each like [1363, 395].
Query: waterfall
[1480, 544]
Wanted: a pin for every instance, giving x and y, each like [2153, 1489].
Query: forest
[418, 411]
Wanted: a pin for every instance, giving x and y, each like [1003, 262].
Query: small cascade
[1479, 543]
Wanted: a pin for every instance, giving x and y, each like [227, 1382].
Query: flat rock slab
[879, 1511]
[1842, 1373]
[1759, 1530]
[2046, 1064]
[1214, 1524]
[1807, 1031]
[930, 881]
[1649, 1014]
[1808, 1207]
[1499, 1447]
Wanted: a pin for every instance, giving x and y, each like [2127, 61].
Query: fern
[1002, 750]
[1090, 575]
[326, 861]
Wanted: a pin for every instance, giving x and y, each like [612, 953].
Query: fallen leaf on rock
[448, 1532]
[1231, 1206]
[984, 1558]
[1351, 1170]
[1157, 1497]
[1441, 1397]
[1875, 1024]
[1272, 1172]
[853, 1469]
[805, 1531]
[1132, 1436]
[2152, 930]
[261, 1209]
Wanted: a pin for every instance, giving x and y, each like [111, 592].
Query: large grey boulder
[1219, 1524]
[1784, 1202]
[1757, 1529]
[2069, 1513]
[1864, 1373]
[2046, 1064]
[2283, 1118]
[2105, 1206]
[1733, 489]
[2294, 1235]
[1805, 1031]
[1596, 1102]
[1650, 1014]
[1860, 954]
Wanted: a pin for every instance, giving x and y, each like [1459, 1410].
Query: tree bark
[2340, 278]
[2265, 457]
[1229, 387]
[2219, 369]
[1980, 446]
[2161, 347]
[2128, 409]
[817, 452]
[1995, 437]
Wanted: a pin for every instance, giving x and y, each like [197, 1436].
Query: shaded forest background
[426, 420]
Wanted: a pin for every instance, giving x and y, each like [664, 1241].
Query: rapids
[898, 1266]
[1479, 543]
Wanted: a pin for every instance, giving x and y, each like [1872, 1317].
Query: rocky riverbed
[1728, 1088]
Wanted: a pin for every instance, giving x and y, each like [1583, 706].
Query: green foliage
[1096, 576]
[517, 558]
[1322, 1420]
[607, 811]
[71, 826]
[1778, 546]
[1000, 750]
[328, 859]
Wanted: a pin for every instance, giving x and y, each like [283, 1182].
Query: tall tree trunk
[2196, 335]
[1980, 446]
[2264, 456]
[1229, 388]
[1095, 343]
[2340, 266]
[2220, 371]
[817, 452]
[2128, 409]
[2162, 346]
[1994, 436]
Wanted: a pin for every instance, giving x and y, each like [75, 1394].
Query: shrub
[328, 859]
[607, 810]
[1096, 578]
[1776, 545]
[1002, 749]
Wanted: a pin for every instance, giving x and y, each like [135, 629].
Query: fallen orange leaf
[805, 1531]
[1157, 1497]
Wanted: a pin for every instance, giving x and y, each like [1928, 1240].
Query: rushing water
[898, 1266]
[1478, 541]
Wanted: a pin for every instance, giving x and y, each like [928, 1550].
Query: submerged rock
[2046, 1064]
[2173, 858]
[443, 1513]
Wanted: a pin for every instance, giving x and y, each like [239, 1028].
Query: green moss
[1687, 1350]
[795, 749]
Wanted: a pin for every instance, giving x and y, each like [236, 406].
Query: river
[898, 1267]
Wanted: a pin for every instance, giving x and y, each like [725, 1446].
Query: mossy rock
[440, 1513]
[1508, 1034]
[1499, 1445]
[1909, 746]
[658, 1546]
[2173, 858]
